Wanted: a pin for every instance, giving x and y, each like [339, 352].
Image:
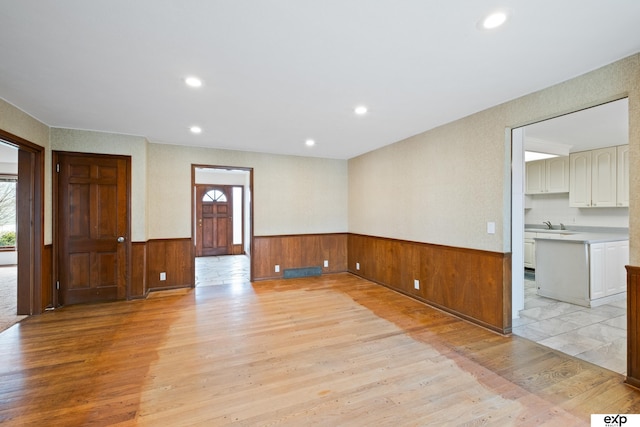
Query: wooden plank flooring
[335, 350]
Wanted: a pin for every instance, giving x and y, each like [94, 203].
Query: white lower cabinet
[607, 274]
[529, 250]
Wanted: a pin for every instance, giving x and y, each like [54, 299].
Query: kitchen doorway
[222, 224]
[596, 334]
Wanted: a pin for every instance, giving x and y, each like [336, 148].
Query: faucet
[548, 224]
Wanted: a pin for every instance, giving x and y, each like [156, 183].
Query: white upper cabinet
[594, 178]
[580, 179]
[557, 174]
[604, 177]
[622, 192]
[547, 176]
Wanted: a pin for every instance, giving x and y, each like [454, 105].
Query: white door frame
[517, 221]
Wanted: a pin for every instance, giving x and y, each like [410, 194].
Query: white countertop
[586, 235]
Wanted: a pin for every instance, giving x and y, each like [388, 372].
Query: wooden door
[214, 215]
[92, 227]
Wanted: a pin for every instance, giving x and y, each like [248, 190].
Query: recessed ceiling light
[494, 20]
[195, 129]
[310, 143]
[360, 110]
[193, 81]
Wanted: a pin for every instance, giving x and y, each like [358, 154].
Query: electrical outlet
[277, 268]
[357, 266]
[416, 284]
[326, 263]
[163, 276]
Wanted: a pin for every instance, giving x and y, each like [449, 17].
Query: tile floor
[222, 270]
[597, 335]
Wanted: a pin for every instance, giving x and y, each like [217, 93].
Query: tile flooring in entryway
[597, 335]
[222, 270]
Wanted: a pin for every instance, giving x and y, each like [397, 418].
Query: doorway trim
[193, 211]
[29, 224]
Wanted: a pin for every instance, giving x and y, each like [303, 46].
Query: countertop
[582, 235]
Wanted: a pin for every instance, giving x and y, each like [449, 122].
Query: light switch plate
[491, 227]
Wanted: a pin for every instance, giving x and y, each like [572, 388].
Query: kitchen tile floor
[597, 335]
[222, 270]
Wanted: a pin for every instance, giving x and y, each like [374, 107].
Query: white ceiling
[605, 125]
[277, 72]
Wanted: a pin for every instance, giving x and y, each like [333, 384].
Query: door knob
[120, 239]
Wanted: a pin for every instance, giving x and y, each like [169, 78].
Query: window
[8, 211]
[214, 196]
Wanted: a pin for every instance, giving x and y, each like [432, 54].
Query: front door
[92, 227]
[214, 220]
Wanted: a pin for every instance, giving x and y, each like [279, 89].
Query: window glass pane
[237, 215]
[214, 196]
[7, 213]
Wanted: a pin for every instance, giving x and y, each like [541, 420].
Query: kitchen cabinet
[594, 178]
[622, 191]
[584, 273]
[529, 250]
[607, 274]
[547, 176]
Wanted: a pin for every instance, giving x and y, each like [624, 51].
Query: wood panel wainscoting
[171, 256]
[47, 284]
[298, 251]
[472, 284]
[633, 326]
[138, 288]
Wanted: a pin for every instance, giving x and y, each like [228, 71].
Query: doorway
[8, 253]
[32, 294]
[596, 334]
[222, 224]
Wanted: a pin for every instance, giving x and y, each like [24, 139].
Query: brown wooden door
[93, 227]
[214, 206]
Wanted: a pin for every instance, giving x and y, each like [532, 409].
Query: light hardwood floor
[336, 351]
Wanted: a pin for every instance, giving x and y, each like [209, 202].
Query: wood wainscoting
[472, 284]
[47, 284]
[633, 326]
[138, 287]
[171, 256]
[295, 251]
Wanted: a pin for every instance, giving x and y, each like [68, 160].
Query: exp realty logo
[618, 420]
[615, 420]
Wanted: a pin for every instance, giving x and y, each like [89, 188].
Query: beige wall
[291, 195]
[21, 124]
[444, 185]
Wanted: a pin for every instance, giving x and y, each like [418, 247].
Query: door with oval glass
[214, 220]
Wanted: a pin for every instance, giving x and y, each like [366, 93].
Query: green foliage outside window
[7, 212]
[8, 238]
